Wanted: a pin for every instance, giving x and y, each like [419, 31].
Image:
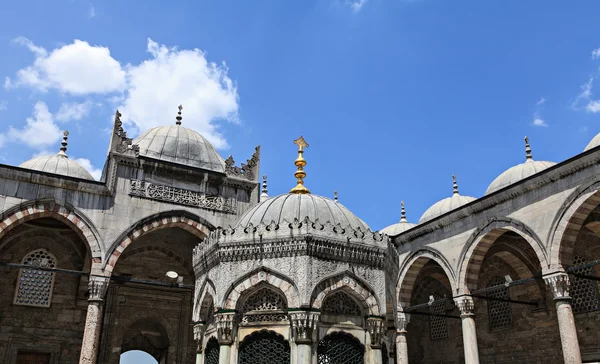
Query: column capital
[559, 284]
[402, 320]
[199, 328]
[224, 322]
[97, 287]
[465, 304]
[303, 325]
[376, 329]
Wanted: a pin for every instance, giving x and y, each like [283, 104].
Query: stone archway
[360, 290]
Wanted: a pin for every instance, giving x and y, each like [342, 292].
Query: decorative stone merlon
[559, 284]
[97, 287]
[303, 325]
[376, 331]
[465, 305]
[224, 322]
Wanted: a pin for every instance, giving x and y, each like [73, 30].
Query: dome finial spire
[527, 150]
[264, 194]
[402, 212]
[335, 196]
[179, 117]
[300, 162]
[63, 144]
[454, 185]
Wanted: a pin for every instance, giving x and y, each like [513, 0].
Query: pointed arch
[354, 285]
[481, 240]
[260, 275]
[206, 292]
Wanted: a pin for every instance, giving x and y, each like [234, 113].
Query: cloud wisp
[537, 119]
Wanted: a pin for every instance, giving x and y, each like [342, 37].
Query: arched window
[584, 291]
[34, 286]
[211, 353]
[264, 305]
[264, 347]
[499, 312]
[438, 325]
[340, 303]
[340, 347]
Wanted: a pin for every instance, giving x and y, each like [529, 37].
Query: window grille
[264, 305]
[584, 291]
[438, 325]
[34, 286]
[264, 347]
[340, 347]
[340, 303]
[211, 353]
[499, 312]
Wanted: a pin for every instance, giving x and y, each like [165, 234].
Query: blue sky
[393, 96]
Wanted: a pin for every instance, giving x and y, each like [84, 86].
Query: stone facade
[509, 277]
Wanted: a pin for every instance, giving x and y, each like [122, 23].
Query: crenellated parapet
[248, 170]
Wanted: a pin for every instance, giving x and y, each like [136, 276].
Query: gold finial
[335, 196]
[402, 212]
[527, 149]
[300, 162]
[454, 185]
[63, 144]
[179, 117]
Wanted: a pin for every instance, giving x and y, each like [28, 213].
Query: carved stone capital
[198, 330]
[97, 287]
[465, 305]
[376, 330]
[402, 321]
[224, 322]
[559, 285]
[303, 325]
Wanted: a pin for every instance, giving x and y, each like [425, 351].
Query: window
[34, 286]
[438, 325]
[264, 305]
[499, 312]
[340, 303]
[584, 291]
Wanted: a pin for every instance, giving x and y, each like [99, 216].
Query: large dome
[446, 205]
[299, 206]
[58, 164]
[398, 227]
[519, 172]
[177, 144]
[593, 143]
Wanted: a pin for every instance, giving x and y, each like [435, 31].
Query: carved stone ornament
[376, 331]
[224, 323]
[402, 321]
[246, 170]
[559, 285]
[303, 325]
[465, 305]
[199, 333]
[97, 287]
[124, 144]
[181, 196]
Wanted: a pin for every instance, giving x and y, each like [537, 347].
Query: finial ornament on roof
[300, 162]
[263, 194]
[63, 144]
[454, 185]
[179, 117]
[335, 196]
[527, 150]
[402, 212]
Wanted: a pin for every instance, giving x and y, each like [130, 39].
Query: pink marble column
[93, 320]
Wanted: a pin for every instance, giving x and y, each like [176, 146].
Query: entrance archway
[264, 347]
[340, 347]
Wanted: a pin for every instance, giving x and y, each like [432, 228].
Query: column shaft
[93, 321]
[224, 354]
[469, 332]
[304, 353]
[401, 347]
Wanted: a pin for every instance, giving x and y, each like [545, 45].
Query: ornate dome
[398, 227]
[593, 143]
[177, 144]
[58, 164]
[446, 205]
[519, 172]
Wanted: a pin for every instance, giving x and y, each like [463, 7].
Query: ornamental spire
[264, 194]
[300, 162]
[63, 144]
[335, 196]
[454, 185]
[527, 150]
[179, 117]
[402, 212]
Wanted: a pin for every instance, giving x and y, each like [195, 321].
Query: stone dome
[398, 227]
[593, 143]
[58, 164]
[519, 172]
[446, 205]
[299, 206]
[177, 144]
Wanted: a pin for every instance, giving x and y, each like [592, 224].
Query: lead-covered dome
[446, 205]
[58, 163]
[593, 143]
[400, 226]
[178, 144]
[519, 172]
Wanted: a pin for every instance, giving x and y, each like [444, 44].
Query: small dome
[58, 164]
[593, 143]
[398, 227]
[519, 172]
[177, 144]
[298, 206]
[446, 205]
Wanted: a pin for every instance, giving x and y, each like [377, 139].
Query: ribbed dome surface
[593, 143]
[298, 206]
[397, 228]
[446, 205]
[517, 173]
[58, 164]
[180, 145]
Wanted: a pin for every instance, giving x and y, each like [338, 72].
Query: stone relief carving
[376, 331]
[559, 285]
[465, 304]
[303, 325]
[124, 144]
[97, 287]
[224, 322]
[246, 170]
[181, 196]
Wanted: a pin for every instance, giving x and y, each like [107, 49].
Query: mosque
[183, 254]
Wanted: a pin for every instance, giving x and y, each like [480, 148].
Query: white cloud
[76, 68]
[7, 83]
[40, 131]
[73, 111]
[537, 119]
[585, 96]
[92, 12]
[85, 163]
[3, 105]
[356, 5]
[541, 102]
[593, 106]
[596, 53]
[539, 122]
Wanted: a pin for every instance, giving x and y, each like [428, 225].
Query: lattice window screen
[438, 326]
[499, 312]
[264, 305]
[34, 286]
[584, 291]
[211, 353]
[340, 347]
[340, 303]
[264, 347]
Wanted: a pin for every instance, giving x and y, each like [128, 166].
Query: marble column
[401, 343]
[304, 325]
[375, 326]
[559, 285]
[224, 322]
[466, 307]
[198, 338]
[93, 321]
